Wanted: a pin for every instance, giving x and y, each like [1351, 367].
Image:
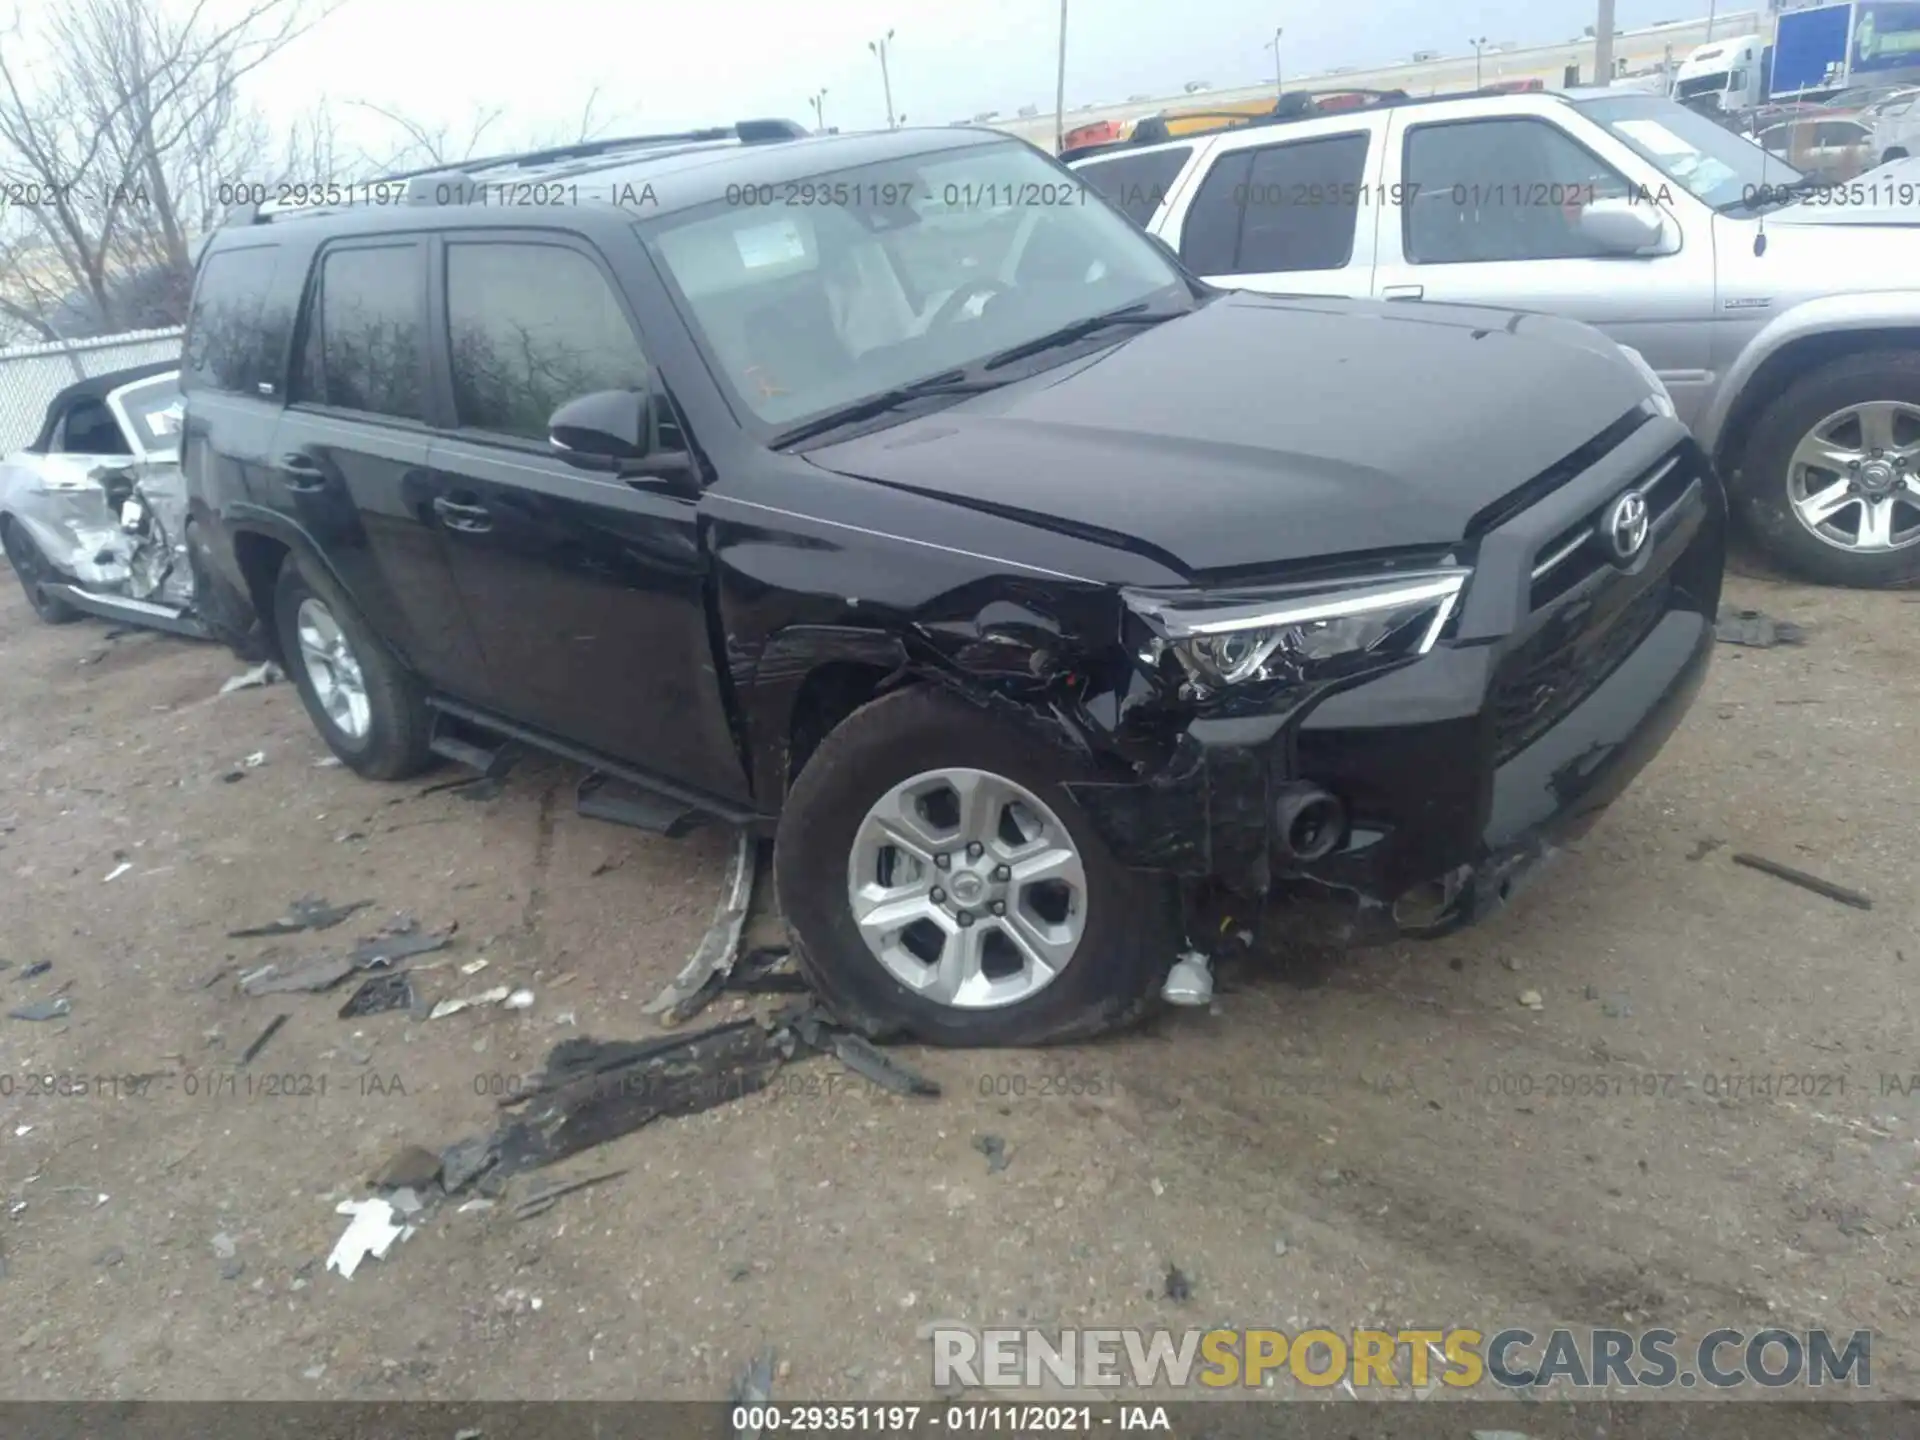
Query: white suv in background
[1788, 342]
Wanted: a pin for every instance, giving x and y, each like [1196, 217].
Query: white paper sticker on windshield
[777, 244]
[1655, 136]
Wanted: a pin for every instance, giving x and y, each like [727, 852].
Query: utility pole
[1712, 5]
[1603, 45]
[1060, 88]
[1279, 85]
[818, 101]
[1479, 44]
[879, 48]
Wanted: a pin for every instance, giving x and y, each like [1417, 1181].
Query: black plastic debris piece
[995, 1149]
[392, 991]
[1805, 881]
[465, 1161]
[402, 944]
[1757, 629]
[752, 1388]
[305, 914]
[35, 970]
[860, 1056]
[273, 1027]
[1179, 1288]
[53, 1009]
[310, 977]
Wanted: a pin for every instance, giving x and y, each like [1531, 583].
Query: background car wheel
[940, 883]
[1830, 483]
[368, 709]
[35, 571]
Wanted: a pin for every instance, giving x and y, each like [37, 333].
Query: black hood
[1261, 430]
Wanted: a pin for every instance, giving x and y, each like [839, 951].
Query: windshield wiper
[1137, 314]
[952, 382]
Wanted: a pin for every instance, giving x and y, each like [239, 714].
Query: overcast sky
[665, 65]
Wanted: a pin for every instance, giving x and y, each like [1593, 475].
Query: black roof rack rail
[746, 132]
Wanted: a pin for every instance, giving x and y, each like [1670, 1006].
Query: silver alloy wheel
[1854, 481]
[333, 669]
[967, 888]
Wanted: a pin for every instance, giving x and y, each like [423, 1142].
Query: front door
[589, 593]
[1491, 217]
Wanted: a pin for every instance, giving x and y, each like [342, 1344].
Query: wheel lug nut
[999, 907]
[975, 850]
[965, 917]
[939, 897]
[943, 860]
[1002, 873]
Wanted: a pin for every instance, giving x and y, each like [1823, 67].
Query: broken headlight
[1303, 632]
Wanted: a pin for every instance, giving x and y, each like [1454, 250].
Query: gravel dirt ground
[1701, 1123]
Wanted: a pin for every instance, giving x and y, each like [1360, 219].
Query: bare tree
[122, 135]
[422, 145]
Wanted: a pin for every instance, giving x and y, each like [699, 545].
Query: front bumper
[1461, 772]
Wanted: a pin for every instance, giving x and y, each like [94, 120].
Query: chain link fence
[31, 375]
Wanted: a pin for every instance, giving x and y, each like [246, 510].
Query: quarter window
[532, 327]
[232, 342]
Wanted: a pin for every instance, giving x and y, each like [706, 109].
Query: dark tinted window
[1210, 238]
[1302, 204]
[533, 326]
[361, 350]
[1493, 190]
[1136, 184]
[234, 338]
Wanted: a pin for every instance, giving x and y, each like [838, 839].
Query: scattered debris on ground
[265, 673]
[400, 939]
[322, 972]
[1179, 1288]
[310, 913]
[372, 1232]
[1705, 847]
[754, 1387]
[468, 1002]
[413, 1167]
[260, 1044]
[35, 970]
[705, 975]
[1532, 1000]
[540, 1201]
[379, 994]
[1805, 881]
[53, 1009]
[995, 1149]
[122, 868]
[1757, 629]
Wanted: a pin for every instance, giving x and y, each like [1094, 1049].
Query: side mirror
[602, 431]
[1623, 227]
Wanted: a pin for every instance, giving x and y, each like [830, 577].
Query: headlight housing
[1302, 632]
[1661, 400]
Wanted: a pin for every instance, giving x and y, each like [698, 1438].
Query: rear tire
[1126, 922]
[35, 572]
[368, 708]
[1765, 494]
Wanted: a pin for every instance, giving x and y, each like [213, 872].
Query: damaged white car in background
[93, 512]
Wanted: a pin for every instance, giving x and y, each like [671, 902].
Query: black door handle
[467, 519]
[303, 475]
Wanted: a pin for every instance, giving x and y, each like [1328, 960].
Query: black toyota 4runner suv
[893, 495]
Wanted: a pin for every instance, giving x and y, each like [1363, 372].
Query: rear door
[1287, 216]
[1490, 216]
[350, 455]
[589, 592]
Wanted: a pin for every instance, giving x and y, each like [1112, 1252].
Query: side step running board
[602, 797]
[490, 764]
[132, 612]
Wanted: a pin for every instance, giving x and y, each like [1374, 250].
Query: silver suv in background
[1783, 317]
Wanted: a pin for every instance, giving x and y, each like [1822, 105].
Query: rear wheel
[941, 883]
[371, 712]
[1831, 478]
[35, 572]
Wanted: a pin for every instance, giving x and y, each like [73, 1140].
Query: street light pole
[1479, 44]
[1603, 45]
[1060, 88]
[1279, 85]
[879, 47]
[819, 103]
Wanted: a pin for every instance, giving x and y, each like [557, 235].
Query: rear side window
[234, 340]
[532, 327]
[361, 349]
[1136, 184]
[1278, 208]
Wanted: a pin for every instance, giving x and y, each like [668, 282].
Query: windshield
[1702, 85]
[153, 409]
[818, 293]
[1710, 161]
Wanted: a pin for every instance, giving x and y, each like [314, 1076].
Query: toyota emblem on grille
[1625, 527]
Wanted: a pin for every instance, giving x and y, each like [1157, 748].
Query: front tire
[35, 572]
[939, 883]
[1830, 482]
[371, 712]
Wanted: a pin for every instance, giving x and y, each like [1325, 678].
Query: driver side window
[1495, 190]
